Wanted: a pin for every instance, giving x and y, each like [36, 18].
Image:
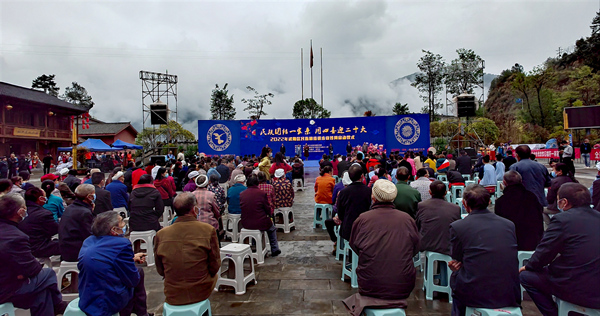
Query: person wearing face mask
[24, 282]
[562, 176]
[186, 283]
[39, 225]
[76, 223]
[566, 263]
[109, 281]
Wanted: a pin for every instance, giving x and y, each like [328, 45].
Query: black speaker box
[159, 114]
[466, 106]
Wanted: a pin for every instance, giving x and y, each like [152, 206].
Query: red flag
[311, 56]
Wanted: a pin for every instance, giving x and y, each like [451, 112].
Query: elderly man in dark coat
[383, 237]
[76, 223]
[566, 263]
[352, 201]
[484, 253]
[521, 207]
[256, 212]
[434, 218]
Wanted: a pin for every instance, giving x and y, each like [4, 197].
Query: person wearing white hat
[238, 170]
[331, 223]
[118, 192]
[207, 201]
[283, 190]
[233, 194]
[383, 237]
[191, 185]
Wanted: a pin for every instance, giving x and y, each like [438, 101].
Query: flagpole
[311, 72]
[302, 71]
[321, 76]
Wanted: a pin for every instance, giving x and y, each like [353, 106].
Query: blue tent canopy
[91, 144]
[119, 144]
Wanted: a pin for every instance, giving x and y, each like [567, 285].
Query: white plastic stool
[419, 261]
[237, 253]
[46, 262]
[196, 309]
[287, 223]
[147, 237]
[384, 312]
[7, 309]
[505, 311]
[457, 193]
[352, 271]
[66, 267]
[233, 231]
[442, 177]
[166, 217]
[73, 309]
[565, 307]
[298, 184]
[523, 256]
[428, 286]
[262, 243]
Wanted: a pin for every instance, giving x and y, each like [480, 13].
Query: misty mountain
[487, 80]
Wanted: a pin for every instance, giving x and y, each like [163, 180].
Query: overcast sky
[366, 44]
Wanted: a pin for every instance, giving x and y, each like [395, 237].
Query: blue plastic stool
[384, 312]
[523, 256]
[339, 248]
[418, 261]
[322, 212]
[505, 311]
[499, 192]
[73, 309]
[565, 307]
[336, 178]
[444, 276]
[351, 273]
[457, 192]
[442, 177]
[197, 309]
[449, 197]
[7, 309]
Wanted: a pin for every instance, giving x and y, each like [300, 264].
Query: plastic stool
[384, 312]
[340, 246]
[46, 262]
[7, 309]
[442, 177]
[287, 222]
[428, 286]
[336, 178]
[166, 216]
[499, 192]
[352, 271]
[234, 220]
[147, 237]
[469, 182]
[262, 243]
[449, 197]
[505, 311]
[236, 253]
[197, 309]
[66, 267]
[419, 262]
[298, 184]
[467, 177]
[322, 212]
[73, 309]
[523, 256]
[457, 193]
[565, 307]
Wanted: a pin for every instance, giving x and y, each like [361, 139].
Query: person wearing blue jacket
[109, 281]
[118, 191]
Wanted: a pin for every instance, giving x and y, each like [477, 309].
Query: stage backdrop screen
[246, 137]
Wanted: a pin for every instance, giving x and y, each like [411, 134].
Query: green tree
[256, 104]
[522, 84]
[429, 81]
[76, 94]
[400, 109]
[165, 135]
[309, 108]
[46, 83]
[221, 105]
[486, 130]
[464, 73]
[587, 84]
[540, 76]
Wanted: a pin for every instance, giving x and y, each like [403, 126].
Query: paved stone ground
[305, 278]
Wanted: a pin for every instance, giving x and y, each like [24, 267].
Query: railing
[8, 131]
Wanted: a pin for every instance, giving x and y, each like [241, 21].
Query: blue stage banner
[245, 137]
